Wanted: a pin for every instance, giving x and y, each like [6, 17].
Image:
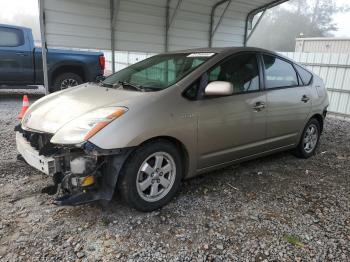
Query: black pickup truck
[21, 62]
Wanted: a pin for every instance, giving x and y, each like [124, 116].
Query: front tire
[151, 176]
[309, 139]
[66, 80]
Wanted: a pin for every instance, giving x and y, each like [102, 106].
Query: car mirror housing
[219, 88]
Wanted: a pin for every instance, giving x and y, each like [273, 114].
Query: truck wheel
[309, 139]
[66, 80]
[151, 176]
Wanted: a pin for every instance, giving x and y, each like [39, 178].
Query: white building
[323, 45]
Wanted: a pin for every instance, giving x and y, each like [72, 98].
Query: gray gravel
[278, 208]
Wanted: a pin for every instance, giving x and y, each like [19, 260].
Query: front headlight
[83, 128]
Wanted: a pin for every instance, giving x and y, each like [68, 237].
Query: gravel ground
[278, 208]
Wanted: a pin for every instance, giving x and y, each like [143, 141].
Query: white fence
[334, 69]
[124, 59]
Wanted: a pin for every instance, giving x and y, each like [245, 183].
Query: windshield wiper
[124, 83]
[106, 85]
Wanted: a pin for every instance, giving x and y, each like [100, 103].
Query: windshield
[158, 72]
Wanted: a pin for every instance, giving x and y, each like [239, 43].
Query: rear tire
[309, 139]
[66, 80]
[151, 176]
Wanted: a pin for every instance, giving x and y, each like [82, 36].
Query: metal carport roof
[146, 26]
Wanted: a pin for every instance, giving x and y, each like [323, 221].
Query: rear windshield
[160, 71]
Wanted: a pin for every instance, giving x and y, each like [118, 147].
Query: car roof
[15, 27]
[232, 50]
[227, 50]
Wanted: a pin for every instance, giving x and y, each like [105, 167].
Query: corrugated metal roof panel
[140, 24]
[78, 23]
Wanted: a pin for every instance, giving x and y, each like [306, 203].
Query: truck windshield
[158, 72]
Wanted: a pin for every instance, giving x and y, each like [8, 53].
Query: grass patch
[105, 221]
[295, 241]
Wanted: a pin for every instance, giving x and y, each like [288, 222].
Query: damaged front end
[81, 173]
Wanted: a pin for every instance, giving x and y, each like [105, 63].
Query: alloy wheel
[156, 176]
[310, 138]
[68, 83]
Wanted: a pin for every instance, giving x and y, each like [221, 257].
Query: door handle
[305, 98]
[259, 106]
[20, 54]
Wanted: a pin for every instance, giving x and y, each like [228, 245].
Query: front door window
[241, 70]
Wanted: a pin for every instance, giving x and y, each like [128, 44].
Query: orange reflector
[102, 124]
[88, 181]
[116, 114]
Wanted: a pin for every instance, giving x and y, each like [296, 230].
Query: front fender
[106, 189]
[143, 124]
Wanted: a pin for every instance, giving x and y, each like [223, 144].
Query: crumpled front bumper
[42, 163]
[105, 172]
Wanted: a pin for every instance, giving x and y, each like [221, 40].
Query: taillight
[102, 61]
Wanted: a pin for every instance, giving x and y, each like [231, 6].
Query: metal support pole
[174, 14]
[251, 14]
[112, 10]
[114, 6]
[248, 24]
[169, 20]
[212, 13]
[43, 45]
[255, 26]
[167, 14]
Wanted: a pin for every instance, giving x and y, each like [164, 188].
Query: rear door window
[10, 37]
[279, 73]
[305, 75]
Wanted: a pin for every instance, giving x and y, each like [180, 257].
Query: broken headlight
[83, 128]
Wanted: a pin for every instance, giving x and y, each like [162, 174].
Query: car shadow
[243, 177]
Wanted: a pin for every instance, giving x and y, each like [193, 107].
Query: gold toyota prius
[170, 117]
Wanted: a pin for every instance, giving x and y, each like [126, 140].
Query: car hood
[52, 112]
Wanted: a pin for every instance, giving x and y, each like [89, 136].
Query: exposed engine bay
[81, 173]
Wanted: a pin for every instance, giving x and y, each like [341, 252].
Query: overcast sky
[12, 11]
[343, 21]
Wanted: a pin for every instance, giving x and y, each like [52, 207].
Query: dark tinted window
[279, 73]
[192, 91]
[305, 75]
[241, 70]
[10, 37]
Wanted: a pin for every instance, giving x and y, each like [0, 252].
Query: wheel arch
[76, 68]
[320, 119]
[180, 147]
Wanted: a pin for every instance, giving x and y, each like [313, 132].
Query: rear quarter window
[306, 76]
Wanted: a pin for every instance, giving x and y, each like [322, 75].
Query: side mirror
[219, 88]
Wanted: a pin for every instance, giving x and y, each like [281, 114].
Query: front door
[234, 126]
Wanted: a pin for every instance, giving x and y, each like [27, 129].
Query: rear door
[16, 58]
[232, 127]
[288, 102]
